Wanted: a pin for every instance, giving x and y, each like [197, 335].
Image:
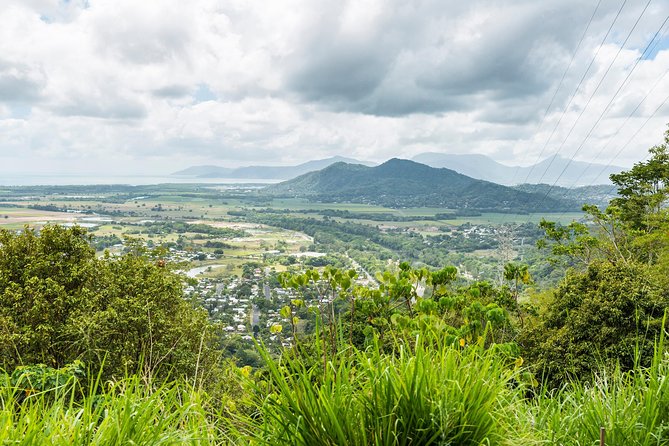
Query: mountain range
[553, 170]
[548, 171]
[401, 183]
[263, 172]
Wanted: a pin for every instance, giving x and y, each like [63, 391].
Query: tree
[605, 316]
[517, 274]
[643, 190]
[59, 303]
[611, 311]
[632, 228]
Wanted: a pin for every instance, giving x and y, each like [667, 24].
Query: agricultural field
[249, 227]
[227, 238]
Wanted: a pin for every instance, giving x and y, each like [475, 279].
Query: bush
[59, 303]
[606, 316]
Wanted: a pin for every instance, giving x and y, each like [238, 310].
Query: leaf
[285, 312]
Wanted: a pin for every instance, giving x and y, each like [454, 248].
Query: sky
[111, 87]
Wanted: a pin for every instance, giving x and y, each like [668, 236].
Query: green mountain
[262, 172]
[402, 183]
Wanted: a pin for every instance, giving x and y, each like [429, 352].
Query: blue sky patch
[203, 94]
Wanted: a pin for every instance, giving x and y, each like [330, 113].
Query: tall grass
[125, 413]
[423, 393]
[417, 396]
[633, 407]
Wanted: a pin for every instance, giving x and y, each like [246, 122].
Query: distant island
[263, 172]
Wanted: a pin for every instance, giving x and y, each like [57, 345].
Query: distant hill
[576, 173]
[263, 172]
[402, 183]
[205, 172]
[599, 195]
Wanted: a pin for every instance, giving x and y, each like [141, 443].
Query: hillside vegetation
[402, 183]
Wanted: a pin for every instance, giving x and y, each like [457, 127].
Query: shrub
[59, 303]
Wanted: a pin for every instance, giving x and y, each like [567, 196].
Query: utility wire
[573, 95]
[610, 103]
[666, 99]
[606, 145]
[564, 74]
[657, 82]
[610, 191]
[599, 84]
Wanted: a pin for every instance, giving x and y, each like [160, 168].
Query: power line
[632, 113]
[665, 101]
[657, 42]
[564, 74]
[649, 49]
[599, 84]
[573, 95]
[610, 103]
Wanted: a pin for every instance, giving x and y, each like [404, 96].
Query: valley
[230, 242]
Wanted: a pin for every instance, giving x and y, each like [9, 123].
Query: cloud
[173, 91]
[167, 83]
[20, 82]
[433, 57]
[140, 32]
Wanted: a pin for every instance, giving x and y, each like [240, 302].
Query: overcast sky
[128, 86]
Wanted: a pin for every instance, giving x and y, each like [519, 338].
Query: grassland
[208, 207]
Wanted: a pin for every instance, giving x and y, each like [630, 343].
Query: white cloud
[105, 84]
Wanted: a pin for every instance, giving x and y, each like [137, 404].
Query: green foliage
[178, 227]
[31, 379]
[42, 282]
[633, 407]
[127, 412]
[421, 396]
[424, 395]
[59, 303]
[608, 315]
[643, 190]
[517, 274]
[408, 303]
[573, 240]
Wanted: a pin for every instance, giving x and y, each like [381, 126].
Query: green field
[128, 213]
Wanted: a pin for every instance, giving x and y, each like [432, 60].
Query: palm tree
[518, 274]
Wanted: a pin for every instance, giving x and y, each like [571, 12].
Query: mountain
[263, 172]
[576, 173]
[402, 183]
[599, 195]
[205, 172]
